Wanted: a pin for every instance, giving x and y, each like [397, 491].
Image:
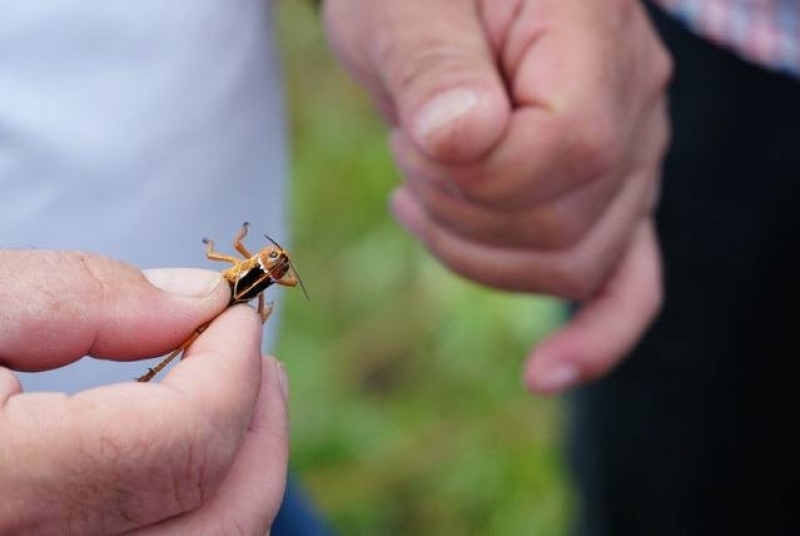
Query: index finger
[57, 306]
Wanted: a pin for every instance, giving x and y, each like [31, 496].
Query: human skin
[530, 134]
[202, 452]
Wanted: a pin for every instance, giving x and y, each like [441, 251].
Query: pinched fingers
[9, 385]
[57, 306]
[129, 455]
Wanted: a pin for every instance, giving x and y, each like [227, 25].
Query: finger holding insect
[9, 385]
[84, 304]
[216, 378]
[249, 497]
[198, 372]
[193, 426]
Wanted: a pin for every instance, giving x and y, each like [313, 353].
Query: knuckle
[591, 146]
[579, 287]
[208, 453]
[626, 9]
[664, 68]
[663, 134]
[177, 481]
[559, 227]
[653, 301]
[235, 527]
[574, 279]
[596, 151]
[101, 287]
[193, 481]
[410, 64]
[126, 483]
[176, 474]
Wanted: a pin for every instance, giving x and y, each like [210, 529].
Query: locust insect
[249, 278]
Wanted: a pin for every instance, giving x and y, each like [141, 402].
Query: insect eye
[273, 254]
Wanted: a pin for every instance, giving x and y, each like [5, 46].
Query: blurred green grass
[408, 413]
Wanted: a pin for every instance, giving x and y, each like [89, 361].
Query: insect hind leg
[151, 372]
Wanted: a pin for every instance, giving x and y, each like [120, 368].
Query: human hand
[203, 452]
[530, 133]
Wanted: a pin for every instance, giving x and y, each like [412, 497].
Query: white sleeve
[134, 129]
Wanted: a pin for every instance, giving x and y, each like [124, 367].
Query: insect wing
[249, 282]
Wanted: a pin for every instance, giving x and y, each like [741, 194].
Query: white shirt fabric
[134, 128]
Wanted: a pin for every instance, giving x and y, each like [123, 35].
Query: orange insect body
[251, 277]
[248, 278]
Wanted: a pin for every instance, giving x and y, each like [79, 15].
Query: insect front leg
[237, 241]
[264, 309]
[289, 279]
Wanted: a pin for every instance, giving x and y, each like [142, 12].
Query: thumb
[432, 63]
[251, 494]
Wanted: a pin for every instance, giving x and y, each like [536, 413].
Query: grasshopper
[249, 278]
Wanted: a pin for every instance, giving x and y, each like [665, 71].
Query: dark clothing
[298, 516]
[696, 433]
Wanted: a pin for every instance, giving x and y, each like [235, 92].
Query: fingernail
[556, 378]
[188, 282]
[283, 379]
[442, 110]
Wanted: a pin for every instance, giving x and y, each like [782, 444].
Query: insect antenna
[291, 264]
[299, 280]
[274, 243]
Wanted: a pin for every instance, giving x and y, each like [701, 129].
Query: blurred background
[408, 411]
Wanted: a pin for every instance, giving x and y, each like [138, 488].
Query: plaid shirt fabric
[766, 32]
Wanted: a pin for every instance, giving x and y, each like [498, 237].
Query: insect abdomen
[248, 284]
